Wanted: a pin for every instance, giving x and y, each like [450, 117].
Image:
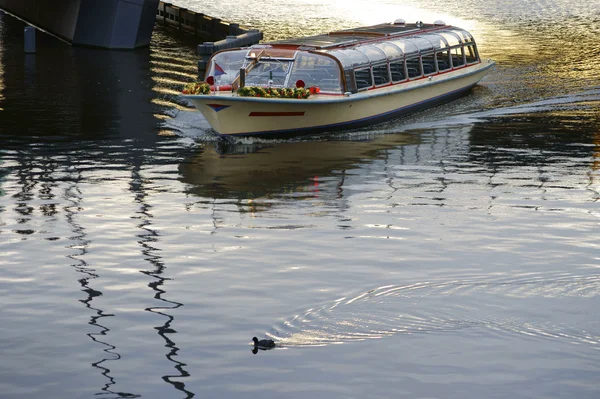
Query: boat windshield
[225, 66]
[316, 70]
[269, 72]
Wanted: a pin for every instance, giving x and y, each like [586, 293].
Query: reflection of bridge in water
[126, 24]
[123, 24]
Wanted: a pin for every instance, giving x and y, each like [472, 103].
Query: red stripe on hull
[276, 114]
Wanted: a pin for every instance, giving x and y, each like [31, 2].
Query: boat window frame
[431, 51]
[462, 51]
[448, 60]
[342, 72]
[475, 53]
[428, 54]
[350, 81]
[405, 72]
[416, 57]
[387, 67]
[364, 68]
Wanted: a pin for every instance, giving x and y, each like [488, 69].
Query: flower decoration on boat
[196, 88]
[271, 92]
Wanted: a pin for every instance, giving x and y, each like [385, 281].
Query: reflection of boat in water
[355, 77]
[241, 171]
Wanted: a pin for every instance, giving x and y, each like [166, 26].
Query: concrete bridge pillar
[117, 24]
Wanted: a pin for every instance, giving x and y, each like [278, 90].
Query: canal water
[454, 253]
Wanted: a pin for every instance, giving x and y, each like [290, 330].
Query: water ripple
[435, 307]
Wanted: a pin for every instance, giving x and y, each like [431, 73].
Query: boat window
[428, 61]
[350, 81]
[421, 43]
[407, 47]
[381, 75]
[225, 66]
[413, 67]
[343, 59]
[363, 78]
[443, 60]
[392, 51]
[269, 72]
[451, 37]
[373, 53]
[333, 85]
[437, 41]
[471, 53]
[350, 58]
[457, 57]
[397, 70]
[462, 34]
[316, 70]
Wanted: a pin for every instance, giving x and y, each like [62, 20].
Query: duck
[263, 343]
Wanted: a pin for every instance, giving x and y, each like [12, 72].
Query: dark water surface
[451, 254]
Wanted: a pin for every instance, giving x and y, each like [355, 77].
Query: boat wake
[585, 99]
[436, 307]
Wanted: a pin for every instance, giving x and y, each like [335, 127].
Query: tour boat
[340, 80]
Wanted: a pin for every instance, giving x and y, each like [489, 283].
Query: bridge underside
[114, 24]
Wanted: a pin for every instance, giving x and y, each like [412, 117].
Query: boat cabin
[348, 61]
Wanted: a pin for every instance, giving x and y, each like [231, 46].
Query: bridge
[113, 24]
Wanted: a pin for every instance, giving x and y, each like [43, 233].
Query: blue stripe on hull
[358, 123]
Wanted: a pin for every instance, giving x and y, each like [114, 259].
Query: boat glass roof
[463, 34]
[421, 42]
[437, 40]
[374, 53]
[390, 49]
[350, 58]
[451, 37]
[407, 47]
[378, 43]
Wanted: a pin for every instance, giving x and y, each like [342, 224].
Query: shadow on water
[63, 93]
[262, 169]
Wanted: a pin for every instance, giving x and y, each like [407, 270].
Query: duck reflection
[256, 349]
[226, 170]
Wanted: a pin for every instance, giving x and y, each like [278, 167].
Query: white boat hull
[230, 114]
